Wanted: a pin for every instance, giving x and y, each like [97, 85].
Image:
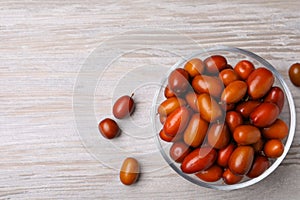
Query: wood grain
[44, 45]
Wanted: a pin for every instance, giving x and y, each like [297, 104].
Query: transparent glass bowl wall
[233, 55]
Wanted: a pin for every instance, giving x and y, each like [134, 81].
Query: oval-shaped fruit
[164, 136]
[215, 63]
[275, 95]
[169, 138]
[264, 115]
[233, 119]
[177, 121]
[224, 155]
[198, 160]
[244, 69]
[246, 134]
[178, 81]
[179, 151]
[277, 130]
[294, 74]
[209, 109]
[109, 128]
[260, 165]
[241, 160]
[230, 178]
[208, 84]
[234, 92]
[247, 107]
[212, 174]
[194, 67]
[259, 82]
[191, 99]
[273, 148]
[130, 171]
[195, 132]
[168, 92]
[218, 136]
[169, 105]
[123, 107]
[227, 76]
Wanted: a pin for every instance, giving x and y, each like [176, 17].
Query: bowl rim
[292, 119]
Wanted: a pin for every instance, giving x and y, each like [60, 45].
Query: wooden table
[48, 139]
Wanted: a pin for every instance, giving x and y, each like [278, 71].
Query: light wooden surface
[45, 44]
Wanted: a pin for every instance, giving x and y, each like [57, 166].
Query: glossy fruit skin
[215, 63]
[199, 159]
[273, 148]
[169, 105]
[129, 172]
[247, 107]
[168, 138]
[123, 107]
[164, 136]
[179, 151]
[218, 136]
[177, 121]
[241, 160]
[246, 134]
[194, 67]
[275, 95]
[248, 114]
[294, 74]
[233, 119]
[244, 68]
[259, 82]
[234, 92]
[208, 84]
[168, 92]
[264, 115]
[191, 99]
[178, 81]
[195, 132]
[227, 76]
[209, 109]
[278, 130]
[212, 174]
[109, 128]
[260, 165]
[224, 155]
[230, 178]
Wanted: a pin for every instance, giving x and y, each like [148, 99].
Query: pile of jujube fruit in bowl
[223, 121]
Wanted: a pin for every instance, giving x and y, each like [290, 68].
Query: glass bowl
[233, 55]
